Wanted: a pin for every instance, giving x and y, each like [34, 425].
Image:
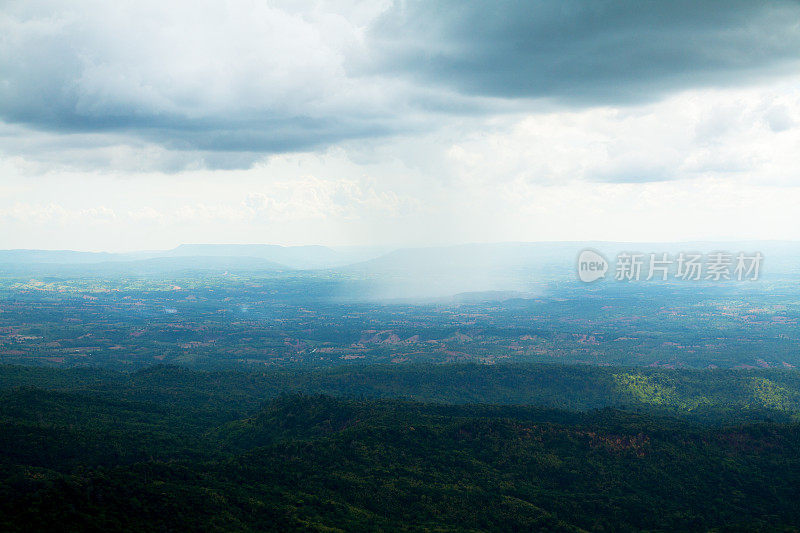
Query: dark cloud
[231, 130]
[587, 52]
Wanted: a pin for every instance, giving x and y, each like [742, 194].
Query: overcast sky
[142, 125]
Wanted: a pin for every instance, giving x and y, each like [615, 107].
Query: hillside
[103, 461]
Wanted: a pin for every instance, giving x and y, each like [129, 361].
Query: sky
[132, 125]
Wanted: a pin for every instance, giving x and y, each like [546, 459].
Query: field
[319, 319]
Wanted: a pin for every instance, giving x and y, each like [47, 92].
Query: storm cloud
[253, 77]
[588, 53]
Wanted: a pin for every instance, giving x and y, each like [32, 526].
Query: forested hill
[445, 448]
[83, 461]
[730, 394]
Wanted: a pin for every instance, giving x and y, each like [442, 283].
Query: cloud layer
[252, 77]
[144, 124]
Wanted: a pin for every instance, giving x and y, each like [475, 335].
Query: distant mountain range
[446, 269]
[265, 256]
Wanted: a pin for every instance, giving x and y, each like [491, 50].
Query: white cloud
[688, 135]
